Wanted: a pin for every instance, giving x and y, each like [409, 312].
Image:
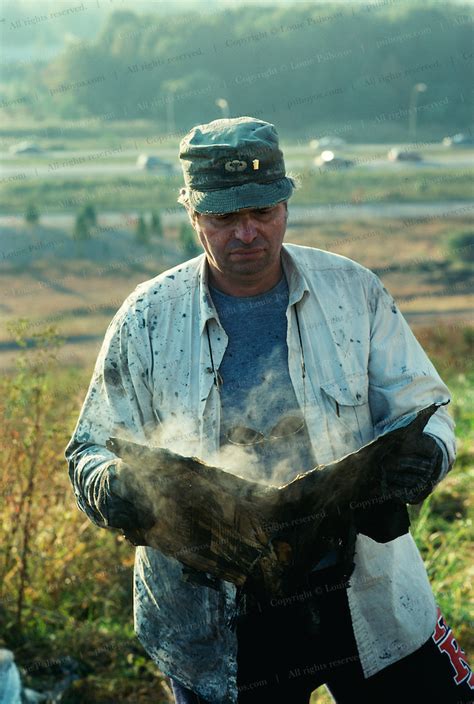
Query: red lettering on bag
[441, 628]
[458, 660]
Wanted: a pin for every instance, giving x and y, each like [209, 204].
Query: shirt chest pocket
[345, 403]
[176, 409]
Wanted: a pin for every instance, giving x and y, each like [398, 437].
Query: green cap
[233, 163]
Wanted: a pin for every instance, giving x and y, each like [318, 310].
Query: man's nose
[245, 229]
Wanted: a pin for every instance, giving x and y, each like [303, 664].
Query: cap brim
[248, 195]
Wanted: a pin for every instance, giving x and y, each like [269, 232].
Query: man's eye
[228, 217]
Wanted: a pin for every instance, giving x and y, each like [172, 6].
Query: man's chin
[248, 268]
[250, 264]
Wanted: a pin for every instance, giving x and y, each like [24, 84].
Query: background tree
[187, 240]
[89, 214]
[142, 234]
[32, 214]
[81, 229]
[156, 226]
[461, 245]
[288, 63]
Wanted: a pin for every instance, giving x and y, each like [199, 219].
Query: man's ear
[192, 215]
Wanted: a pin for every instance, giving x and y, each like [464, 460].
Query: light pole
[224, 106]
[412, 112]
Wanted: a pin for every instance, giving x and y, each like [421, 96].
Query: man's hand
[413, 473]
[123, 510]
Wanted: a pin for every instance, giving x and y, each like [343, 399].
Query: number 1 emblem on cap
[255, 164]
[235, 165]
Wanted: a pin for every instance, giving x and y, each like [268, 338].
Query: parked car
[328, 160]
[26, 148]
[154, 163]
[327, 143]
[459, 140]
[403, 155]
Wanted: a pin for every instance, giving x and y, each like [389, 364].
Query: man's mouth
[246, 252]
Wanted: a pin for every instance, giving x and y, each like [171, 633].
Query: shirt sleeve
[402, 379]
[118, 403]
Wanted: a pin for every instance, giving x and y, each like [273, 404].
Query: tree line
[350, 68]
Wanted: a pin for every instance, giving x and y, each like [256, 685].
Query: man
[269, 359]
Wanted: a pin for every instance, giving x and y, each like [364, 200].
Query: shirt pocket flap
[350, 390]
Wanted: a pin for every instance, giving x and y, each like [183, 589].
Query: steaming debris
[262, 536]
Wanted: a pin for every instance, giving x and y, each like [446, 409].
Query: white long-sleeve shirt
[153, 382]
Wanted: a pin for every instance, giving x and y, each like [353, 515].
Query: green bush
[461, 246]
[187, 239]
[142, 234]
[32, 215]
[81, 229]
[65, 585]
[156, 226]
[89, 214]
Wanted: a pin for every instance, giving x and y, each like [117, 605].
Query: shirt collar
[207, 310]
[297, 286]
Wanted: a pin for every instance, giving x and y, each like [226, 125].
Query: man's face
[243, 244]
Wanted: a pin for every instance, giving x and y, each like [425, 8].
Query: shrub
[461, 246]
[89, 214]
[187, 239]
[156, 226]
[142, 234]
[32, 214]
[81, 228]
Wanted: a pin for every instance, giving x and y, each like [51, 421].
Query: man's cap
[233, 163]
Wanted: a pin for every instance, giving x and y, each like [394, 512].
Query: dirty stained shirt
[256, 390]
[153, 383]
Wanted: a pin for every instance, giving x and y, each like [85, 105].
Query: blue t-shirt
[257, 391]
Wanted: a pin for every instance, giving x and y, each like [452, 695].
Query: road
[299, 214]
[118, 162]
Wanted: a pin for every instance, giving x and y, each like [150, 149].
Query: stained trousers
[280, 660]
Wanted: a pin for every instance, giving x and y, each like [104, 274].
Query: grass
[79, 285]
[413, 258]
[75, 580]
[443, 526]
[86, 132]
[138, 191]
[65, 586]
[127, 150]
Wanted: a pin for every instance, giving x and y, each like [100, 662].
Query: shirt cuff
[445, 466]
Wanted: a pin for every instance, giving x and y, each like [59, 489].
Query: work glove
[413, 472]
[124, 509]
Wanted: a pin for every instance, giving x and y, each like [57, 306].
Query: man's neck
[254, 285]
